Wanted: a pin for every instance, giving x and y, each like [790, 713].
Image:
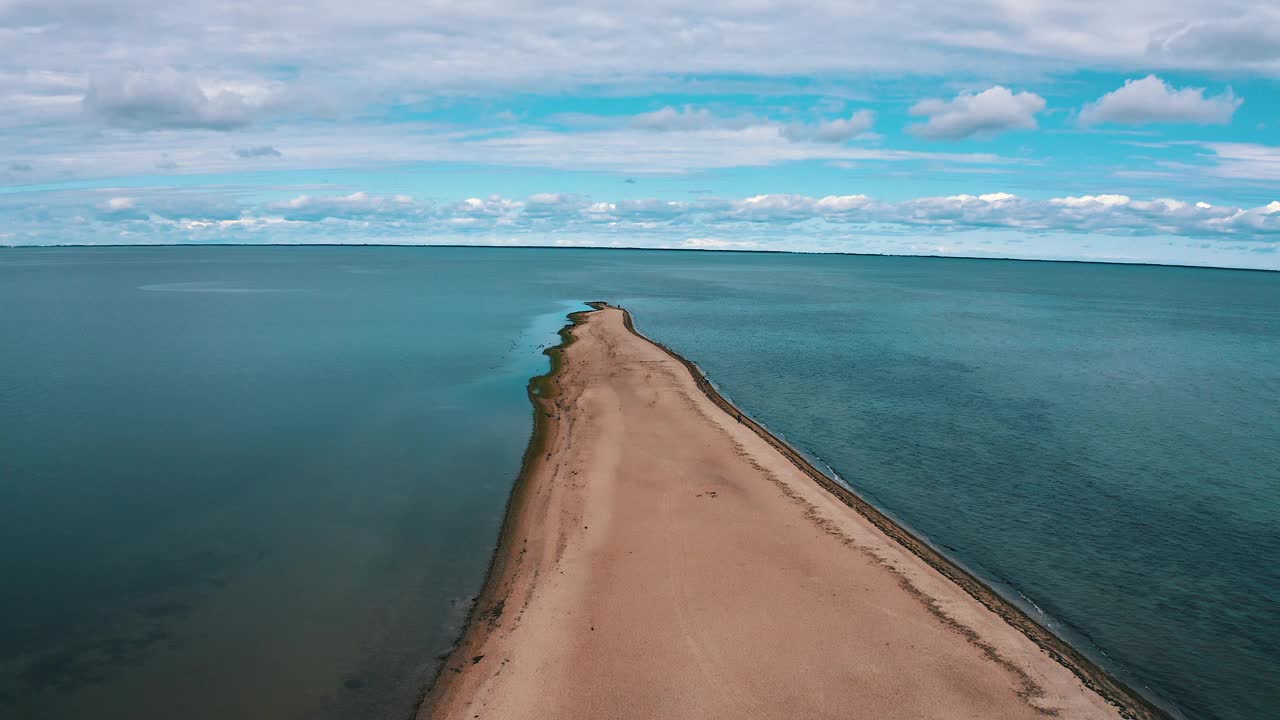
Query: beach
[664, 556]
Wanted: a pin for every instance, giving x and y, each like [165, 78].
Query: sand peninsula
[664, 556]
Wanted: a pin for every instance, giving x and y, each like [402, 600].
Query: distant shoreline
[410, 246]
[487, 617]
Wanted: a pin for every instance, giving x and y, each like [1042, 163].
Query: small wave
[1033, 604]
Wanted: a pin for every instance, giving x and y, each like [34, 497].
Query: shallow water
[262, 482]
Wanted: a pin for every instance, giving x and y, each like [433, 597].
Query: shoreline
[541, 390]
[1090, 673]
[489, 607]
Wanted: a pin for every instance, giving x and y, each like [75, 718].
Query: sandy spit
[664, 556]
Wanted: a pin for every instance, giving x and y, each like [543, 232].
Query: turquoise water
[239, 484]
[262, 482]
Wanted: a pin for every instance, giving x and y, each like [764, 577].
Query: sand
[664, 557]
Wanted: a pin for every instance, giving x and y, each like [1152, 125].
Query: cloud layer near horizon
[170, 216]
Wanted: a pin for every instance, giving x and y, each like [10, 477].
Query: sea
[265, 482]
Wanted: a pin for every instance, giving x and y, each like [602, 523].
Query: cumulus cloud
[257, 151]
[990, 112]
[357, 205]
[553, 205]
[164, 99]
[795, 208]
[649, 210]
[494, 209]
[1152, 100]
[155, 208]
[833, 131]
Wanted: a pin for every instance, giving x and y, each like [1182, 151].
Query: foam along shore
[665, 557]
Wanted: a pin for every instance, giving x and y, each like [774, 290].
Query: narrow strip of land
[664, 557]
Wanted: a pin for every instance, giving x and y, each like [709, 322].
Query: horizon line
[1139, 263]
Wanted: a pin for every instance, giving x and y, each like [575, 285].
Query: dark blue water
[261, 482]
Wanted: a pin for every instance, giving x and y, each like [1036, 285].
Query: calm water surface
[263, 482]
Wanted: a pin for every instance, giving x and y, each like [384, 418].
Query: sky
[1134, 131]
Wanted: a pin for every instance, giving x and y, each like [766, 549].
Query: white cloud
[119, 203]
[634, 151]
[1152, 100]
[553, 205]
[670, 118]
[1244, 41]
[797, 208]
[164, 99]
[257, 151]
[990, 112]
[1088, 201]
[832, 131]
[1244, 161]
[622, 149]
[357, 205]
[691, 119]
[646, 210]
[835, 204]
[246, 223]
[493, 209]
[997, 197]
[720, 244]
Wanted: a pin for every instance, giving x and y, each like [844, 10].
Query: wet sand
[665, 557]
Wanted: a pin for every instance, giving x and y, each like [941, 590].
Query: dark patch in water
[68, 670]
[166, 609]
[61, 672]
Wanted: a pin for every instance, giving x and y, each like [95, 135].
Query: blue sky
[1138, 131]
